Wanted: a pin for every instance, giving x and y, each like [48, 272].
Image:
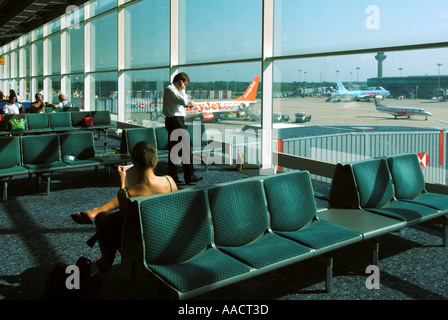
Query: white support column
[66, 87]
[174, 38]
[33, 70]
[121, 47]
[267, 164]
[89, 82]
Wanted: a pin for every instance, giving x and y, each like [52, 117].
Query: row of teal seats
[37, 123]
[42, 155]
[158, 136]
[197, 240]
[391, 186]
[381, 195]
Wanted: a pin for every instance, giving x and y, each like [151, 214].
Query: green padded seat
[38, 122]
[61, 121]
[79, 145]
[78, 118]
[162, 141]
[240, 224]
[101, 122]
[376, 193]
[135, 135]
[409, 182]
[293, 212]
[10, 164]
[10, 156]
[177, 247]
[41, 153]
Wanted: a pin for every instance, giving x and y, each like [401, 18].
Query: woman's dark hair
[144, 155]
[12, 95]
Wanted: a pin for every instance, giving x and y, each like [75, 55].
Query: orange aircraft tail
[251, 92]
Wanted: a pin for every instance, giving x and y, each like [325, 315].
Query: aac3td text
[244, 309]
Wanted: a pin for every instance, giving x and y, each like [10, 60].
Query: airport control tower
[380, 57]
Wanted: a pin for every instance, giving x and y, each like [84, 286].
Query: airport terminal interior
[280, 89]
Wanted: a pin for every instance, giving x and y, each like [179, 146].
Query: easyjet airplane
[209, 111]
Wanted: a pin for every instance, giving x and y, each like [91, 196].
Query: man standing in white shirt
[175, 100]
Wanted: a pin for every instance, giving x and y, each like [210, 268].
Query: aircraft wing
[446, 122]
[399, 113]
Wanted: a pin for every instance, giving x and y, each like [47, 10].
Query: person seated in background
[13, 107]
[63, 103]
[37, 106]
[109, 223]
[2, 96]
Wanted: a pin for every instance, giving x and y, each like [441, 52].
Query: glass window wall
[219, 30]
[143, 96]
[147, 40]
[103, 43]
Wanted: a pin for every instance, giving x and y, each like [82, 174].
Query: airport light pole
[438, 82]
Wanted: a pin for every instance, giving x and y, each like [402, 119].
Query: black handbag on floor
[81, 281]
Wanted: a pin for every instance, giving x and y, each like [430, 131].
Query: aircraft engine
[208, 116]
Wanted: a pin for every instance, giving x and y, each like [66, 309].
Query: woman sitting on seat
[37, 106]
[109, 224]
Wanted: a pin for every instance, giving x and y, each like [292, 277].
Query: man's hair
[181, 76]
[144, 155]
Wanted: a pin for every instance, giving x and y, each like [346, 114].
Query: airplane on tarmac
[358, 94]
[401, 111]
[209, 111]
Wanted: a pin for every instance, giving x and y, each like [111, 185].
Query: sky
[232, 28]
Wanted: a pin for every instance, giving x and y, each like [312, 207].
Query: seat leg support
[445, 230]
[5, 191]
[375, 246]
[328, 262]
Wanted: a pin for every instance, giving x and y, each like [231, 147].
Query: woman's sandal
[81, 218]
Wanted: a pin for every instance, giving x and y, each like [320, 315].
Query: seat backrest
[374, 183]
[407, 176]
[60, 119]
[9, 152]
[238, 211]
[78, 117]
[101, 117]
[40, 149]
[343, 190]
[135, 135]
[162, 138]
[198, 136]
[52, 110]
[174, 226]
[290, 200]
[37, 121]
[78, 144]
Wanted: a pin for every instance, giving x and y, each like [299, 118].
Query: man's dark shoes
[193, 179]
[178, 181]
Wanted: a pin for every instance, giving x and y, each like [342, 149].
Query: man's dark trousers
[171, 124]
